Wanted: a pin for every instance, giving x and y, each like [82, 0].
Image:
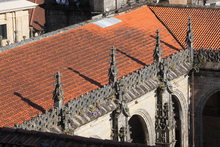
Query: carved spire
[58, 92]
[113, 71]
[189, 38]
[189, 35]
[120, 127]
[158, 50]
[165, 122]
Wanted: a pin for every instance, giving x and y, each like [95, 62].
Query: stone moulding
[101, 101]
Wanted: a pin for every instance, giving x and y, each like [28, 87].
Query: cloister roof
[82, 56]
[205, 24]
[27, 138]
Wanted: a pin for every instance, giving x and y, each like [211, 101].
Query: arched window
[138, 128]
[176, 110]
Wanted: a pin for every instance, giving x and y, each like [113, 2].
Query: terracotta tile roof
[82, 56]
[205, 24]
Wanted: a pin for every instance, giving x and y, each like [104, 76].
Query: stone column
[165, 122]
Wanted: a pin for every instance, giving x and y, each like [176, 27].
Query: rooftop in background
[82, 56]
[14, 5]
[205, 24]
[24, 138]
[37, 16]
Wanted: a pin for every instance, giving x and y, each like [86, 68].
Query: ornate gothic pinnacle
[157, 51]
[189, 39]
[189, 36]
[58, 92]
[113, 71]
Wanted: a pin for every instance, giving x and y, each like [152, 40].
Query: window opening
[3, 31]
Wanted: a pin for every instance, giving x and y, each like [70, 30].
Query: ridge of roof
[92, 20]
[46, 35]
[181, 6]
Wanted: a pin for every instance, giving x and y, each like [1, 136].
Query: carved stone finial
[158, 50]
[113, 71]
[58, 92]
[190, 38]
[189, 35]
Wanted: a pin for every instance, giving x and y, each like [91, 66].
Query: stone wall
[17, 24]
[145, 107]
[206, 84]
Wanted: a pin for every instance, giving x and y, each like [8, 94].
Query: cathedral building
[145, 74]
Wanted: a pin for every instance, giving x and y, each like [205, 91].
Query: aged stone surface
[17, 26]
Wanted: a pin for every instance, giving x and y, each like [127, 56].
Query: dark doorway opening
[211, 121]
[138, 129]
[176, 110]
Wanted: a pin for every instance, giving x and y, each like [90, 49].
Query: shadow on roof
[167, 44]
[29, 102]
[135, 59]
[86, 78]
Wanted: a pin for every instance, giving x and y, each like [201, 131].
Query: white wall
[19, 21]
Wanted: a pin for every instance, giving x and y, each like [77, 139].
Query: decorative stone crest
[190, 39]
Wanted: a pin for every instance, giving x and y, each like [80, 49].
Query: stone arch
[181, 99]
[149, 124]
[198, 114]
[183, 112]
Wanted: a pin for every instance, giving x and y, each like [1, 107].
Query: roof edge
[46, 35]
[93, 19]
[29, 5]
[19, 9]
[181, 6]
